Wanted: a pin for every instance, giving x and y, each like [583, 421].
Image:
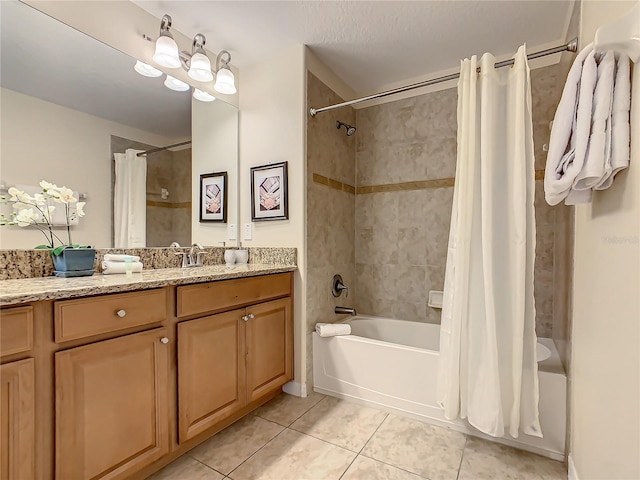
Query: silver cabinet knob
[164, 340]
[251, 315]
[245, 318]
[121, 313]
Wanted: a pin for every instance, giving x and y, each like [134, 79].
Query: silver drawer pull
[164, 340]
[121, 313]
[251, 315]
[245, 318]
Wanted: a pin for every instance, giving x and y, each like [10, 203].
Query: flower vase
[74, 262]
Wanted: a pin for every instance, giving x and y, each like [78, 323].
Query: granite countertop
[47, 288]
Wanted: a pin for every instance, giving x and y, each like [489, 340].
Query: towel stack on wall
[590, 136]
[115, 264]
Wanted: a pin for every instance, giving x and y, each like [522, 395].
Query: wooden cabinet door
[17, 420]
[112, 415]
[211, 371]
[269, 350]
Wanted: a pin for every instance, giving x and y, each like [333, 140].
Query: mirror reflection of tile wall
[168, 219]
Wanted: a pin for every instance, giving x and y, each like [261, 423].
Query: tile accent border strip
[335, 184]
[153, 203]
[394, 187]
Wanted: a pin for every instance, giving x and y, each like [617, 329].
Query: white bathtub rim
[457, 427]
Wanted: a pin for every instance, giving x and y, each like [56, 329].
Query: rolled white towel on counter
[109, 268]
[333, 329]
[113, 257]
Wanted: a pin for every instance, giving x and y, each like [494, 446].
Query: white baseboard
[573, 473]
[295, 388]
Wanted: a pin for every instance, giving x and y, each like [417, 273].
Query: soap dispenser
[242, 255]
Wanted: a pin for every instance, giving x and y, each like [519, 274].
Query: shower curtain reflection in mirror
[129, 200]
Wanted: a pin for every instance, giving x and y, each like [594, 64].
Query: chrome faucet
[195, 259]
[346, 311]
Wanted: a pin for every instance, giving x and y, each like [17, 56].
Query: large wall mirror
[69, 103]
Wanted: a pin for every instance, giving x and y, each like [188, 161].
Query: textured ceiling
[370, 44]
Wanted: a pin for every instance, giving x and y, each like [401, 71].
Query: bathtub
[393, 364]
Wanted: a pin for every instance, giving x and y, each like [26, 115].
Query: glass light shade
[146, 70]
[203, 96]
[225, 82]
[175, 84]
[166, 53]
[200, 68]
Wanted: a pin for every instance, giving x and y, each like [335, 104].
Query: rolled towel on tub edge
[333, 329]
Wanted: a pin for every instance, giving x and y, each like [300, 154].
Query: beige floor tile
[488, 460]
[426, 450]
[345, 424]
[295, 456]
[286, 409]
[364, 468]
[186, 468]
[233, 445]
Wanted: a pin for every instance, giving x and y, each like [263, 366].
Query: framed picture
[213, 197]
[269, 192]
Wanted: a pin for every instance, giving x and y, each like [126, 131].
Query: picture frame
[213, 197]
[269, 192]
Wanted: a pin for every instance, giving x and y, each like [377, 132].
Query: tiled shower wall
[401, 235]
[330, 209]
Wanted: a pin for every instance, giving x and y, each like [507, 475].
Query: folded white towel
[620, 128]
[333, 329]
[109, 268]
[113, 257]
[571, 127]
[598, 157]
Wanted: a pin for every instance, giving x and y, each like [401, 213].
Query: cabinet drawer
[227, 294]
[85, 317]
[16, 330]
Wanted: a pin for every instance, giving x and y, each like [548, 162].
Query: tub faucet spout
[346, 310]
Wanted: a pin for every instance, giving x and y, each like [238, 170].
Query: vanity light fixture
[202, 96]
[166, 53]
[146, 70]
[175, 84]
[225, 81]
[197, 64]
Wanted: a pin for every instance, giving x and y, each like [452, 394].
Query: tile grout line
[466, 438]
[392, 465]
[306, 411]
[250, 456]
[202, 463]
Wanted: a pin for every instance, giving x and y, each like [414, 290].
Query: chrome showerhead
[350, 130]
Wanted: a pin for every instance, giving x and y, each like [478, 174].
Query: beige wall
[330, 214]
[214, 135]
[605, 394]
[44, 141]
[272, 130]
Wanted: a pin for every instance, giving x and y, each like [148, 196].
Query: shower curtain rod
[160, 149]
[571, 46]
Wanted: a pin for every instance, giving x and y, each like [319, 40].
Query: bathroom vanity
[114, 377]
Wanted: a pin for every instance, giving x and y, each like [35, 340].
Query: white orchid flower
[15, 193]
[26, 217]
[65, 195]
[20, 196]
[48, 186]
[80, 209]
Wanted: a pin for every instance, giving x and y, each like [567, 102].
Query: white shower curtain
[130, 200]
[488, 369]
